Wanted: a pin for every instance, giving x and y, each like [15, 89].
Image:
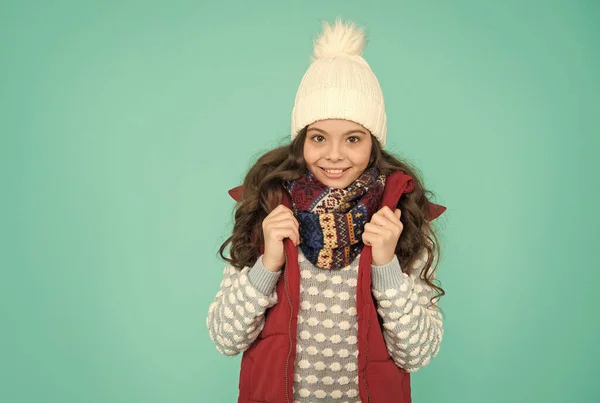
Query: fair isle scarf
[332, 220]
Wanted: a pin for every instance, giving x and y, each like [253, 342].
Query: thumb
[397, 212]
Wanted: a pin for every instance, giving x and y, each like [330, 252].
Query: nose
[333, 153]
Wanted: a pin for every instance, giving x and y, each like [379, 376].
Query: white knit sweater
[327, 355]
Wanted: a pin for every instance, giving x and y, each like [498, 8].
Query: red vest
[267, 369]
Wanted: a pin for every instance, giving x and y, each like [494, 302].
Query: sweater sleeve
[412, 330]
[236, 315]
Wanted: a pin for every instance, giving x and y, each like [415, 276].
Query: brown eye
[354, 137]
[315, 136]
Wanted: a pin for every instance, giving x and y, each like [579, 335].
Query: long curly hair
[262, 192]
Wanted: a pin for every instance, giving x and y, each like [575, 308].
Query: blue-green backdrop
[124, 123]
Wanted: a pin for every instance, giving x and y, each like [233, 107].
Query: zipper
[367, 361]
[287, 360]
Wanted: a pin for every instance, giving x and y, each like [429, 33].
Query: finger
[285, 232]
[282, 215]
[394, 217]
[387, 217]
[380, 231]
[370, 238]
[285, 219]
[384, 221]
[377, 219]
[374, 228]
[294, 235]
[377, 233]
[279, 209]
[366, 238]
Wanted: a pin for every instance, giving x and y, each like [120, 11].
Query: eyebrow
[343, 134]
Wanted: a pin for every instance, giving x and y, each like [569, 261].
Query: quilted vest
[267, 367]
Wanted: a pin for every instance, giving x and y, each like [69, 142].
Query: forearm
[236, 316]
[412, 330]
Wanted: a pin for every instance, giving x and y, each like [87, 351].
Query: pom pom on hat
[339, 83]
[339, 39]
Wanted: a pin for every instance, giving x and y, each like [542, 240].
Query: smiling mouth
[334, 170]
[334, 173]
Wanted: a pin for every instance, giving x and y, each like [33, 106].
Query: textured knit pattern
[332, 220]
[339, 84]
[326, 360]
[326, 364]
[413, 326]
[236, 316]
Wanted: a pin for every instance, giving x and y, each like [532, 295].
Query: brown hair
[262, 192]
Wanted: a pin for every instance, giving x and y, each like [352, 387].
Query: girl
[329, 290]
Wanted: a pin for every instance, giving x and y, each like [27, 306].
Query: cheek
[310, 156]
[361, 157]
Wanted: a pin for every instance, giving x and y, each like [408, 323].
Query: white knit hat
[339, 84]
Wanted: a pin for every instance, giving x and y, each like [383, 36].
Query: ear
[435, 210]
[236, 193]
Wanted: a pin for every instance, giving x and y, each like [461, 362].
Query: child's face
[337, 144]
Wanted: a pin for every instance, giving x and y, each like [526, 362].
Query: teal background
[125, 123]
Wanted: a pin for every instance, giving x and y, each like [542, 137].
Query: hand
[279, 224]
[382, 234]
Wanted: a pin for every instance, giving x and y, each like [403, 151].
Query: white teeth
[334, 171]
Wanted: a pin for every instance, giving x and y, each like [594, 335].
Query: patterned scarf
[332, 220]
